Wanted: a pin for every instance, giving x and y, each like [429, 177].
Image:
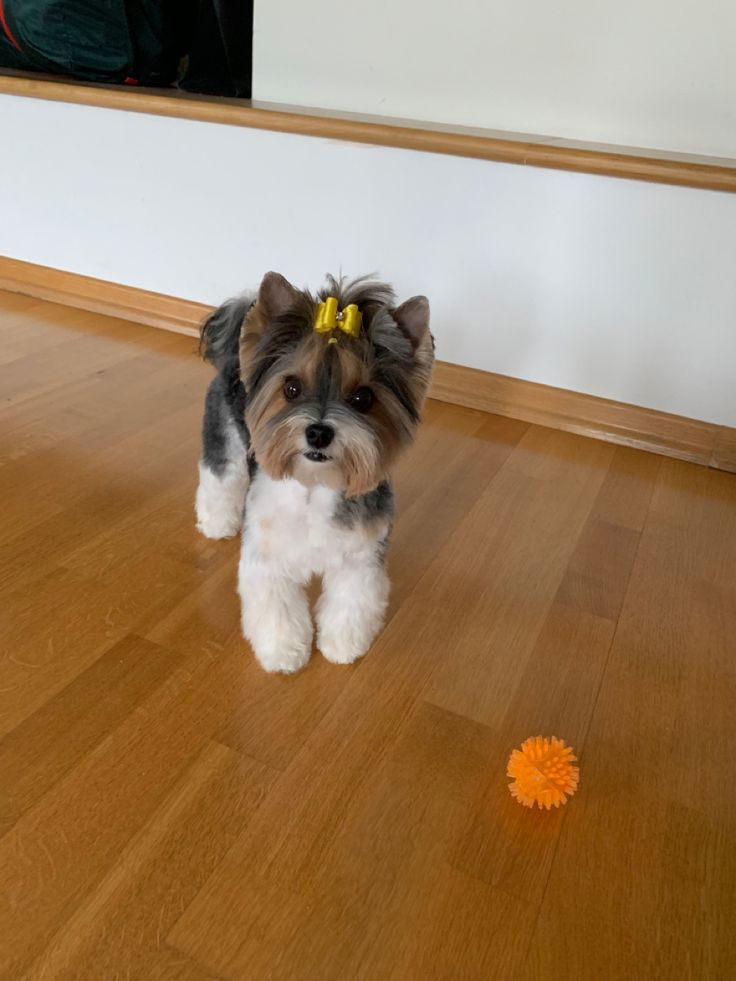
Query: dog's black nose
[318, 435]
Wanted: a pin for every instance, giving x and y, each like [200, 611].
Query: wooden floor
[169, 811]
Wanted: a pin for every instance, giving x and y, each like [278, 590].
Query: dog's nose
[318, 435]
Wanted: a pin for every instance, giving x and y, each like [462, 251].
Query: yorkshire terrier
[314, 400]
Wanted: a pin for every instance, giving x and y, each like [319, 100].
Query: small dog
[314, 400]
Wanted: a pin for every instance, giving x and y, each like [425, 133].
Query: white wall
[617, 288]
[649, 73]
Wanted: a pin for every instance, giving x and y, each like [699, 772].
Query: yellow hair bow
[330, 318]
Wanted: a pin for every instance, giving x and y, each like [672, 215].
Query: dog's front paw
[343, 646]
[218, 526]
[275, 619]
[349, 622]
[283, 657]
[220, 500]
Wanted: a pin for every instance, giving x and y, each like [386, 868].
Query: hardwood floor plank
[12, 302]
[92, 413]
[43, 748]
[159, 872]
[658, 760]
[626, 494]
[81, 355]
[396, 832]
[206, 620]
[590, 588]
[613, 530]
[67, 621]
[61, 848]
[290, 830]
[166, 964]
[465, 930]
[273, 719]
[431, 515]
[500, 575]
[108, 471]
[557, 691]
[503, 845]
[88, 522]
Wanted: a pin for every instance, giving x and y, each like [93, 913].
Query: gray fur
[225, 399]
[375, 505]
[370, 507]
[220, 333]
[363, 291]
[221, 409]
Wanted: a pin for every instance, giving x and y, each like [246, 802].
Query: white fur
[289, 536]
[220, 500]
[351, 609]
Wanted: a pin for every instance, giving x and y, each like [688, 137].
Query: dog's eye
[292, 389]
[361, 400]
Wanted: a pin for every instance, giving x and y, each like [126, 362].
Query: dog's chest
[293, 527]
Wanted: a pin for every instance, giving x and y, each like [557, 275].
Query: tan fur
[250, 333]
[369, 444]
[354, 369]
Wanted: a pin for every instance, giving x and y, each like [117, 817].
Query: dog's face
[330, 408]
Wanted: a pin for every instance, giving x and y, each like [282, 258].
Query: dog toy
[543, 772]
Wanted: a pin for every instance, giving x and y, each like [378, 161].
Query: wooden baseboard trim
[101, 296]
[588, 415]
[633, 163]
[724, 450]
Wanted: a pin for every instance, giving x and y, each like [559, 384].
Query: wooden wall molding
[632, 163]
[588, 415]
[100, 296]
[575, 412]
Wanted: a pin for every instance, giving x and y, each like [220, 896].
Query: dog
[314, 400]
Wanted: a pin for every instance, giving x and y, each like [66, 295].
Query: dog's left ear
[412, 318]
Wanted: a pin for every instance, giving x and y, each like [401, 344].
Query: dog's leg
[275, 615]
[273, 572]
[221, 499]
[352, 607]
[223, 470]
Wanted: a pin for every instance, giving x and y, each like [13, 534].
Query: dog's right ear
[275, 296]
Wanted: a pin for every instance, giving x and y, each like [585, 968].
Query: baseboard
[588, 415]
[724, 451]
[100, 296]
[576, 412]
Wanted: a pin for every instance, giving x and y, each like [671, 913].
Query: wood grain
[633, 163]
[588, 415]
[169, 811]
[162, 867]
[553, 695]
[101, 296]
[652, 812]
[724, 450]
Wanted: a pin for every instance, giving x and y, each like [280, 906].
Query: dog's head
[330, 407]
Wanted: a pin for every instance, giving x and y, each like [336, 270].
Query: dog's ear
[276, 295]
[412, 318]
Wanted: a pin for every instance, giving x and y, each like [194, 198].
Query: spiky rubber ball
[543, 772]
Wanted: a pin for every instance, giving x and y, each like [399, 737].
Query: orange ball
[543, 772]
